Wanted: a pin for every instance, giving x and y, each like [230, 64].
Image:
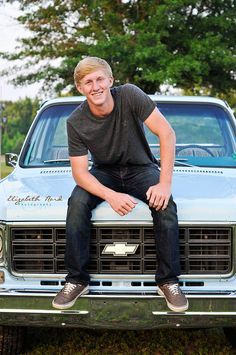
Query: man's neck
[102, 110]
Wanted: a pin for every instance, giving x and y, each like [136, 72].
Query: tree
[188, 44]
[19, 115]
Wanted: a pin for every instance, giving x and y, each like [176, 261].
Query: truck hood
[200, 194]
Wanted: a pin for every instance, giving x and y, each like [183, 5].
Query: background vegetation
[4, 170]
[16, 118]
[189, 44]
[158, 45]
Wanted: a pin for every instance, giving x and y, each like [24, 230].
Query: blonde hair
[89, 65]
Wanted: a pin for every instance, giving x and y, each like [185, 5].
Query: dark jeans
[133, 180]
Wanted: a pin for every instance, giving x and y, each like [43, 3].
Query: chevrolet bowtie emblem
[120, 249]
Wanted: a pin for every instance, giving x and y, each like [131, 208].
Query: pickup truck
[122, 292]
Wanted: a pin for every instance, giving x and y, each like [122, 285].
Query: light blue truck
[122, 291]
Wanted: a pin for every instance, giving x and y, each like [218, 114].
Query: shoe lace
[68, 288]
[174, 289]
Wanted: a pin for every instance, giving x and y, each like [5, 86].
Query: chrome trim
[29, 311]
[134, 277]
[11, 159]
[116, 312]
[35, 311]
[214, 296]
[120, 224]
[195, 313]
[148, 277]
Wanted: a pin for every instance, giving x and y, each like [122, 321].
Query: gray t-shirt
[118, 138]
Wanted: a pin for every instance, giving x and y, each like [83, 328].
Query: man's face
[96, 87]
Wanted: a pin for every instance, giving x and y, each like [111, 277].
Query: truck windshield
[204, 133]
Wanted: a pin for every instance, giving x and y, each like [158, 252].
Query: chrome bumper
[117, 312]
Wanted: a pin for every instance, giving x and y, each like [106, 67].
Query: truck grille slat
[205, 250]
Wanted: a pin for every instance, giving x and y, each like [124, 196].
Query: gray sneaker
[68, 295]
[175, 299]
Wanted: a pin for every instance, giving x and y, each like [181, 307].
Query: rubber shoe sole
[171, 306]
[70, 304]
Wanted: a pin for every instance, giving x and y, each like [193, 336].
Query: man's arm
[158, 195]
[120, 202]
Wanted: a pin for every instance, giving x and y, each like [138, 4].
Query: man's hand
[121, 203]
[159, 195]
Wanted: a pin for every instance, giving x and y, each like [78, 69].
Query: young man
[109, 124]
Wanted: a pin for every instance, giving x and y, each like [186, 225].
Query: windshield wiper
[50, 161]
[181, 162]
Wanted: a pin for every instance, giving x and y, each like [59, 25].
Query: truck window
[204, 136]
[48, 144]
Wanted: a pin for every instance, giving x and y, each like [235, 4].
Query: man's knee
[79, 196]
[82, 199]
[167, 216]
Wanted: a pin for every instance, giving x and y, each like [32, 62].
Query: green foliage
[12, 143]
[4, 170]
[19, 116]
[184, 43]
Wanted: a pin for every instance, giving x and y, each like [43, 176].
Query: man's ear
[79, 88]
[111, 81]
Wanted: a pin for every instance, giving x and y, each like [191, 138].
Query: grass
[48, 341]
[4, 170]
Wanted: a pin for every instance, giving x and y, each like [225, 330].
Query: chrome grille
[203, 250]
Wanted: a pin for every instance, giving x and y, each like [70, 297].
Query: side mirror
[11, 159]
